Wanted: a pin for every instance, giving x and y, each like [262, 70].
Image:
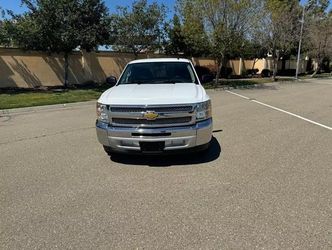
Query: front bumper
[123, 139]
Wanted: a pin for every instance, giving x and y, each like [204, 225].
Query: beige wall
[205, 62]
[20, 69]
[259, 64]
[30, 69]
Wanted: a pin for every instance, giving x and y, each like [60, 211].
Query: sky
[15, 5]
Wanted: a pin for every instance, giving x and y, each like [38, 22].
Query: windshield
[158, 72]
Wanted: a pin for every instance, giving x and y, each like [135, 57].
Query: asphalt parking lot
[266, 182]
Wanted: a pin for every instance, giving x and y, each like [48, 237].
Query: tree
[319, 32]
[193, 29]
[187, 36]
[61, 26]
[2, 12]
[226, 23]
[279, 28]
[254, 49]
[7, 28]
[138, 29]
[3, 33]
[175, 43]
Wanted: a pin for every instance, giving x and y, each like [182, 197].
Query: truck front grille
[142, 122]
[168, 116]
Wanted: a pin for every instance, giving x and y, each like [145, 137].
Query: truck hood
[154, 94]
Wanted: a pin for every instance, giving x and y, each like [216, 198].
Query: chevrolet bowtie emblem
[150, 115]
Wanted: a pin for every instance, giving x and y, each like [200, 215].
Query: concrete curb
[16, 111]
[249, 86]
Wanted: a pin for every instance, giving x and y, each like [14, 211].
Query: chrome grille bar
[169, 116]
[152, 108]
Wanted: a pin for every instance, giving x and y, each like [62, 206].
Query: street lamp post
[300, 43]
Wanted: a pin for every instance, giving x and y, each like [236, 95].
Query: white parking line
[280, 110]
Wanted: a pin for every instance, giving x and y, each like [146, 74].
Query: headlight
[102, 114]
[203, 110]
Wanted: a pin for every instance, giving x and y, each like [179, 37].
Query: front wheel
[108, 150]
[205, 148]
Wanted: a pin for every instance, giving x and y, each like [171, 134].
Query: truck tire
[108, 150]
[206, 148]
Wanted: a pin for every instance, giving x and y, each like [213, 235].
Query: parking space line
[242, 96]
[281, 110]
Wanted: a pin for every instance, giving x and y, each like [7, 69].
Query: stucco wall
[205, 62]
[22, 69]
[30, 69]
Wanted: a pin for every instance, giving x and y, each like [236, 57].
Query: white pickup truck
[157, 106]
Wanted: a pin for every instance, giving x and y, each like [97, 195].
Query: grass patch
[19, 99]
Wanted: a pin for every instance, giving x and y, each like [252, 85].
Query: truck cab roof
[160, 60]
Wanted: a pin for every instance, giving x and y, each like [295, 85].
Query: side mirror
[111, 80]
[207, 78]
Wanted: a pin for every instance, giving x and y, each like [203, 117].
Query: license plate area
[152, 147]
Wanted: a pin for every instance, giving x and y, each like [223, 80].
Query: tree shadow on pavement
[210, 155]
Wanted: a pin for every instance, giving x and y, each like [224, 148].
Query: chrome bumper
[123, 139]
